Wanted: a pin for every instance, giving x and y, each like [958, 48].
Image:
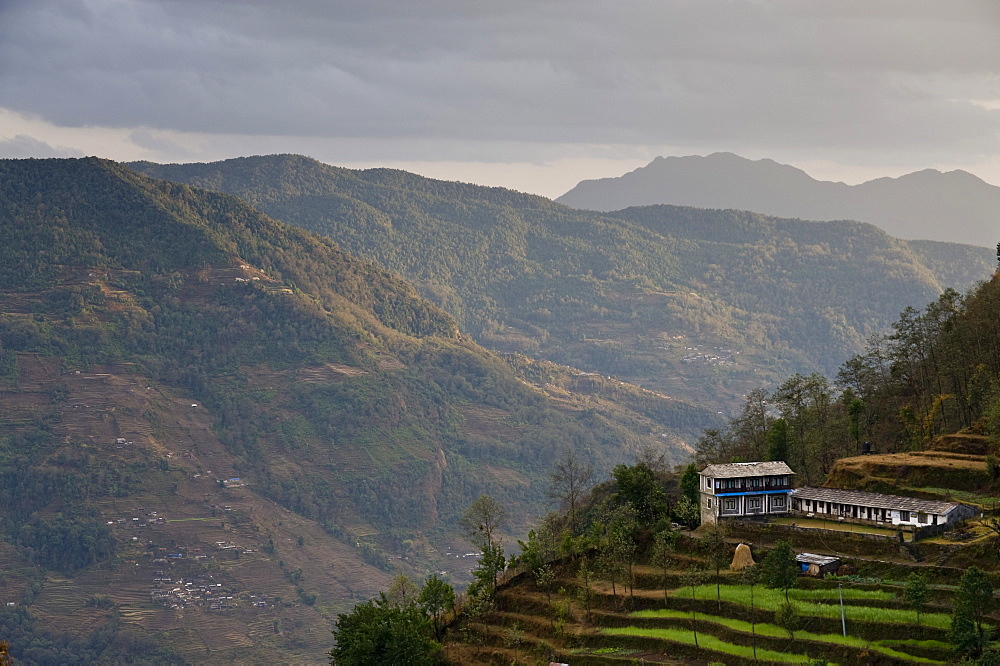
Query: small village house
[744, 489]
[874, 508]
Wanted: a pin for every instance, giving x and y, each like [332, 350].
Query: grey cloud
[151, 141]
[784, 73]
[21, 146]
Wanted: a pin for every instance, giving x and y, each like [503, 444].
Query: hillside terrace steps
[892, 473]
[527, 608]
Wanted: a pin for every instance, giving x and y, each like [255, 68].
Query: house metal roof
[737, 470]
[810, 558]
[874, 500]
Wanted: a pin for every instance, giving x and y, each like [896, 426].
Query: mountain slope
[700, 305]
[952, 207]
[195, 395]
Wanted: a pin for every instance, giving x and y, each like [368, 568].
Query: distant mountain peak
[954, 206]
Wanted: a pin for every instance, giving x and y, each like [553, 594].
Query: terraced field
[683, 624]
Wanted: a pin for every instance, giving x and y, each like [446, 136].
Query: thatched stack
[742, 559]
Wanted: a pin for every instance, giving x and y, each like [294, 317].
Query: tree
[687, 512]
[750, 577]
[638, 486]
[779, 570]
[483, 520]
[545, 578]
[402, 591]
[380, 632]
[777, 441]
[719, 556]
[491, 563]
[585, 576]
[692, 579]
[787, 617]
[540, 548]
[661, 556]
[618, 548]
[916, 592]
[436, 598]
[689, 484]
[570, 479]
[973, 602]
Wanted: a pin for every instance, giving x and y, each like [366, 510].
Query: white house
[860, 507]
[744, 489]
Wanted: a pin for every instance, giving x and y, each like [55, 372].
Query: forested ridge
[334, 390]
[934, 374]
[663, 296]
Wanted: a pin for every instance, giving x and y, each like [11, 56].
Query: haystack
[742, 559]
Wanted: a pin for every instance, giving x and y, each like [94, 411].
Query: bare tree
[571, 478]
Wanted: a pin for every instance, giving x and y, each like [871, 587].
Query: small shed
[817, 565]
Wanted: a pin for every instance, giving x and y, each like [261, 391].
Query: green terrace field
[681, 624]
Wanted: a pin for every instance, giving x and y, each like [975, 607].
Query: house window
[777, 501]
[904, 516]
[753, 503]
[923, 517]
[708, 503]
[729, 505]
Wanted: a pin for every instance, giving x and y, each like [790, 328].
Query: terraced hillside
[954, 467]
[667, 619]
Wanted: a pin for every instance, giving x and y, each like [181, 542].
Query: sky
[534, 95]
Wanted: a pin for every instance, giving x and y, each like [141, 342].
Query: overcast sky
[530, 94]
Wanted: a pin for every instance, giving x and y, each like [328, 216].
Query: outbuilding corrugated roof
[874, 500]
[735, 470]
[810, 558]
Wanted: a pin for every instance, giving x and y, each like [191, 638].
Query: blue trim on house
[755, 492]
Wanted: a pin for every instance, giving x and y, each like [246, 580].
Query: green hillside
[157, 341]
[927, 397]
[698, 304]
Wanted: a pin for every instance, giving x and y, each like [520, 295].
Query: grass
[912, 642]
[835, 525]
[774, 631]
[763, 595]
[969, 497]
[708, 642]
[767, 598]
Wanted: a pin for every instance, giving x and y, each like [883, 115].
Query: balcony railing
[743, 487]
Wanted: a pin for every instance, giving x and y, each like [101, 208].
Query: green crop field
[806, 604]
[774, 631]
[709, 642]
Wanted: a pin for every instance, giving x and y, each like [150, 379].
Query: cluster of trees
[971, 634]
[937, 372]
[24, 639]
[65, 543]
[401, 626]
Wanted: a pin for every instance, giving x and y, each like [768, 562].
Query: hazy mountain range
[955, 206]
[701, 305]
